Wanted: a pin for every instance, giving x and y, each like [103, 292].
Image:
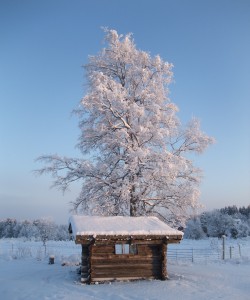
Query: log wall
[104, 264]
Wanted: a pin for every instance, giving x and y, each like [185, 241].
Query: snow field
[28, 277]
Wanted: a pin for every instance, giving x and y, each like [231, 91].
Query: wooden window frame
[126, 249]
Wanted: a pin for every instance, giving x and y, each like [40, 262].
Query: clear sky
[43, 45]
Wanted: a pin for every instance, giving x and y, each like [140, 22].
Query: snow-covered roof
[118, 225]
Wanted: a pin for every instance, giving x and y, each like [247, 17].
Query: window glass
[125, 249]
[118, 249]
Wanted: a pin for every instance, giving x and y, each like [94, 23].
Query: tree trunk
[133, 208]
[133, 202]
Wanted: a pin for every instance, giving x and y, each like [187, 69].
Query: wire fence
[210, 251]
[196, 254]
[193, 255]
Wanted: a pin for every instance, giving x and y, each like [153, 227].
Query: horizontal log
[148, 248]
[141, 249]
[123, 256]
[136, 237]
[148, 254]
[152, 247]
[144, 273]
[148, 242]
[135, 273]
[108, 239]
[127, 266]
[138, 242]
[111, 248]
[83, 241]
[137, 260]
[103, 249]
[140, 252]
[174, 241]
[122, 278]
[124, 269]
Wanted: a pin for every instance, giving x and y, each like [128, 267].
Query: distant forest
[231, 221]
[40, 229]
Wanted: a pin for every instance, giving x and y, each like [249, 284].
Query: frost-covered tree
[46, 229]
[136, 154]
[217, 224]
[28, 230]
[194, 229]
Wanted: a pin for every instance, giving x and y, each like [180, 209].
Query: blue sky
[43, 45]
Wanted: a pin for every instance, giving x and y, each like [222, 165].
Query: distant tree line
[230, 221]
[40, 229]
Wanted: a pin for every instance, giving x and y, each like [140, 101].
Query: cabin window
[125, 249]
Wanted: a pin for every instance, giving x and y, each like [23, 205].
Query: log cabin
[122, 248]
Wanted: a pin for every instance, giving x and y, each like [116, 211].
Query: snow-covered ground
[26, 274]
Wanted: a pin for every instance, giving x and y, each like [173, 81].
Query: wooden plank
[103, 249]
[122, 278]
[108, 239]
[174, 241]
[138, 242]
[148, 250]
[127, 272]
[128, 241]
[126, 257]
[83, 241]
[143, 260]
[135, 273]
[119, 276]
[127, 267]
[135, 237]
[110, 249]
[148, 242]
[123, 256]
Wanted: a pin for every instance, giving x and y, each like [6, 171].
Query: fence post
[223, 246]
[192, 255]
[231, 251]
[239, 250]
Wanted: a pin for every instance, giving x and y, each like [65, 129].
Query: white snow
[118, 225]
[29, 278]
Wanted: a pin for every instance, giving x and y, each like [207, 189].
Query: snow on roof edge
[120, 225]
